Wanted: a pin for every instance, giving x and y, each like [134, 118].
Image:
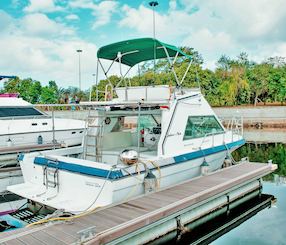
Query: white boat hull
[27, 131]
[65, 137]
[78, 193]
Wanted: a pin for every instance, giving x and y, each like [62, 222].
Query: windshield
[19, 112]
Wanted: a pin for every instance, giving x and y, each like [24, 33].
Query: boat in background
[176, 137]
[22, 124]
[24, 128]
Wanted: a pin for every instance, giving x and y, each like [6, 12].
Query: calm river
[266, 227]
[269, 225]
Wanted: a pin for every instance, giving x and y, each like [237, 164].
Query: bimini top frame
[134, 51]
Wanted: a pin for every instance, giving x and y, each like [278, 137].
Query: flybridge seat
[146, 93]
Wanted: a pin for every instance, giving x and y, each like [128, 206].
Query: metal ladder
[94, 137]
[51, 177]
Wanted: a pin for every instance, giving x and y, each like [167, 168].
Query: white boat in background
[21, 124]
[176, 136]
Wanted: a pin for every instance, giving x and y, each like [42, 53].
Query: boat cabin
[13, 107]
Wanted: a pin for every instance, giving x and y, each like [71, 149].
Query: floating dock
[146, 218]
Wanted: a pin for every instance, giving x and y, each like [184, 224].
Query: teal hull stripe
[76, 168]
[208, 151]
[117, 174]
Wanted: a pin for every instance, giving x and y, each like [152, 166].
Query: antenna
[153, 4]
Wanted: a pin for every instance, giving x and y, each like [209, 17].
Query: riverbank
[255, 116]
[258, 117]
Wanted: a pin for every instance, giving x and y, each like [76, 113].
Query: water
[268, 227]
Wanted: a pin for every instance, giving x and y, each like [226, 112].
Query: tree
[224, 63]
[259, 80]
[48, 96]
[35, 92]
[276, 61]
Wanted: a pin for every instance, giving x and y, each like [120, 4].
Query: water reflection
[268, 226]
[265, 228]
[264, 152]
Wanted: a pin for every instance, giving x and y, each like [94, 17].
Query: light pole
[79, 72]
[153, 4]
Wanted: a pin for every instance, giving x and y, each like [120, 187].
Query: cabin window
[19, 112]
[44, 123]
[200, 126]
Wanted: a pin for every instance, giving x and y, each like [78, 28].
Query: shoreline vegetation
[233, 82]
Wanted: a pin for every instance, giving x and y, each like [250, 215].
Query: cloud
[72, 17]
[173, 4]
[42, 6]
[40, 25]
[102, 11]
[171, 25]
[247, 20]
[40, 48]
[215, 27]
[209, 43]
[6, 22]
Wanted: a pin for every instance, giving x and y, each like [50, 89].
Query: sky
[39, 38]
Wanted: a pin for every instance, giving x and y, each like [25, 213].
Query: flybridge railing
[110, 89]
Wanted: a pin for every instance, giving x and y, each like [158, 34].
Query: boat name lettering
[92, 184]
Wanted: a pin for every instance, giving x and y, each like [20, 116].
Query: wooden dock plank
[46, 238]
[13, 242]
[30, 240]
[57, 232]
[115, 221]
[89, 220]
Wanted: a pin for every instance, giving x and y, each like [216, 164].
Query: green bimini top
[135, 51]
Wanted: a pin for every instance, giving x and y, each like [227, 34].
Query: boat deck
[113, 222]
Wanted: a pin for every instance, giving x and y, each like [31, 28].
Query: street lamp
[153, 4]
[79, 72]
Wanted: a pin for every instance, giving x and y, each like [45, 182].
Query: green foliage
[33, 92]
[234, 81]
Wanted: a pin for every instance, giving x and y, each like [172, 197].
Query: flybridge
[132, 52]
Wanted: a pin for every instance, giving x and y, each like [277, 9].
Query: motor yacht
[139, 139]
